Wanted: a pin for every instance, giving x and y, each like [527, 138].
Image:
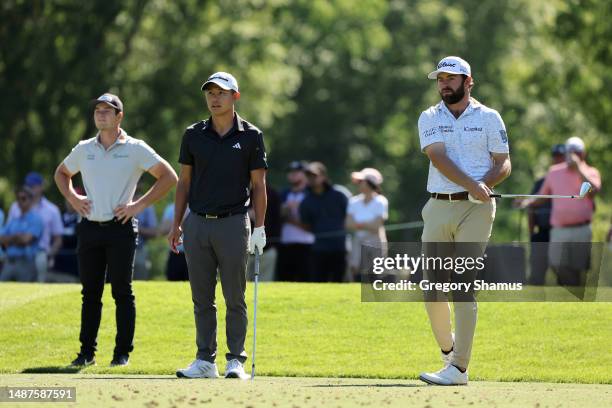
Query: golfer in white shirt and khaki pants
[467, 146]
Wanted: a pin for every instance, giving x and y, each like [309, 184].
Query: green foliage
[338, 81]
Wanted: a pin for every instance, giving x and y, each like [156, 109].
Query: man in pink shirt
[570, 219]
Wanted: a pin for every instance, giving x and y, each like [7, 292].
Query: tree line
[339, 81]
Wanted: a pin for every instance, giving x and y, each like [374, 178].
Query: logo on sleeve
[504, 136]
[430, 132]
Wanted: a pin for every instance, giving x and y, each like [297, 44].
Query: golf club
[255, 312]
[584, 189]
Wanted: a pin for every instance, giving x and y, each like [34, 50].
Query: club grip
[495, 195]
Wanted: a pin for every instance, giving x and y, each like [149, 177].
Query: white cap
[451, 65]
[574, 144]
[224, 80]
[368, 174]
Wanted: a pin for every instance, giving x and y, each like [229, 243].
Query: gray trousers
[213, 245]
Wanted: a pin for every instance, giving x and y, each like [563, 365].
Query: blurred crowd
[560, 229]
[315, 229]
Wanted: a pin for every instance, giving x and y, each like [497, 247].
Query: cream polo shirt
[110, 175]
[469, 141]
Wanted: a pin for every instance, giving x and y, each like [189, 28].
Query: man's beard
[455, 96]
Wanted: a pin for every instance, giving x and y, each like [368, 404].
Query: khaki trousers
[456, 221]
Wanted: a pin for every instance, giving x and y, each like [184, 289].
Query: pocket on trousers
[424, 209]
[493, 209]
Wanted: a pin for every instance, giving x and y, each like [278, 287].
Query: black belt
[462, 196]
[112, 221]
[215, 216]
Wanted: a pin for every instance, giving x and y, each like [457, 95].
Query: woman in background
[366, 215]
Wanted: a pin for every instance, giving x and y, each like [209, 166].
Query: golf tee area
[318, 345]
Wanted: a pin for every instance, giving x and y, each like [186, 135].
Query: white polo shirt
[110, 175]
[362, 212]
[469, 141]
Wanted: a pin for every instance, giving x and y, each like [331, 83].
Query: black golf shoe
[120, 360]
[83, 360]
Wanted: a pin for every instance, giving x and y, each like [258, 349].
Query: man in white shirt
[294, 263]
[110, 164]
[467, 145]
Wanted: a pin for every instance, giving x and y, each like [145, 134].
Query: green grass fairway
[311, 330]
[163, 391]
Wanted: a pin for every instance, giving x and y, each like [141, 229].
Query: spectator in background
[176, 265]
[366, 215]
[21, 236]
[147, 229]
[66, 261]
[570, 219]
[267, 268]
[294, 263]
[607, 271]
[323, 212]
[51, 240]
[1, 229]
[1, 213]
[539, 226]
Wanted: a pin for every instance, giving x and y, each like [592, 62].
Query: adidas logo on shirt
[236, 146]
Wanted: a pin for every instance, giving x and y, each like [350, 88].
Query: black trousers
[328, 266]
[294, 262]
[107, 249]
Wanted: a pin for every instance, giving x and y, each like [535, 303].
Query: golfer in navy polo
[222, 159]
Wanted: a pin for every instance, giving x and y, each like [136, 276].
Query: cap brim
[219, 84]
[357, 175]
[94, 102]
[434, 74]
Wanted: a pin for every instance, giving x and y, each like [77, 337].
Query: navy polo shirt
[325, 214]
[221, 166]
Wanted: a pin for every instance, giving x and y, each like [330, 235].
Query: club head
[584, 189]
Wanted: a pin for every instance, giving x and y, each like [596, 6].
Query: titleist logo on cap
[218, 77]
[446, 64]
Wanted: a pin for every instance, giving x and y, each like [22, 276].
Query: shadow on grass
[367, 385]
[129, 377]
[52, 370]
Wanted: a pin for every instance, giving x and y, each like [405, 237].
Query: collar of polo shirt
[121, 139]
[237, 123]
[474, 104]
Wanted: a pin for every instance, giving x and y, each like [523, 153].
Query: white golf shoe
[199, 369]
[235, 369]
[449, 375]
